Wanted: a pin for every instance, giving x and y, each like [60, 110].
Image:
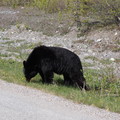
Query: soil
[22, 29]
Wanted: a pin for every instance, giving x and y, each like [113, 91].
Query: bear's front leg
[42, 76]
[48, 77]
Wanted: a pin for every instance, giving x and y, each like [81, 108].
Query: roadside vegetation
[104, 93]
[87, 14]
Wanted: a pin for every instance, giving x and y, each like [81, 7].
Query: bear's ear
[24, 63]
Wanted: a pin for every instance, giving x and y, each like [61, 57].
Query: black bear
[49, 60]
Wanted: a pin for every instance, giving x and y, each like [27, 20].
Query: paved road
[23, 103]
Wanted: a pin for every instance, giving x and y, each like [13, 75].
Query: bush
[86, 13]
[15, 3]
[107, 10]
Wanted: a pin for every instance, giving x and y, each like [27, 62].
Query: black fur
[48, 60]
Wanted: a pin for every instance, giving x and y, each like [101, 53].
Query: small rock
[94, 54]
[22, 7]
[30, 30]
[116, 33]
[57, 31]
[112, 59]
[34, 38]
[90, 51]
[98, 40]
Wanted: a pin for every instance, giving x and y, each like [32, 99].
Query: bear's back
[58, 54]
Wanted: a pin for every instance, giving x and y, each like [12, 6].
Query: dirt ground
[22, 29]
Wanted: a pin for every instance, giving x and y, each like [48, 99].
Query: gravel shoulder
[23, 103]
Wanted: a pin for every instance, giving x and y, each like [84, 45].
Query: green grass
[86, 64]
[104, 93]
[92, 58]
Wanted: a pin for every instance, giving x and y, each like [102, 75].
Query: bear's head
[29, 71]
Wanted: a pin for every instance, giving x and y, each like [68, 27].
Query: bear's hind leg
[80, 84]
[67, 80]
[79, 81]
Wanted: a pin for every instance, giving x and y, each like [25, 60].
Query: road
[24, 103]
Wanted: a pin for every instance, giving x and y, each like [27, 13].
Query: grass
[105, 61]
[104, 93]
[86, 64]
[91, 57]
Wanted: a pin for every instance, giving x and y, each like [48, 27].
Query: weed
[57, 45]
[117, 60]
[116, 49]
[105, 61]
[5, 38]
[91, 57]
[3, 55]
[86, 64]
